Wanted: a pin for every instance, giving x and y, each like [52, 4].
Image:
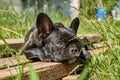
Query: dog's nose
[73, 50]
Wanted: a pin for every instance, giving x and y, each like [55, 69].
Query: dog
[50, 42]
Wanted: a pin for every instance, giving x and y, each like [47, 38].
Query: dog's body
[53, 42]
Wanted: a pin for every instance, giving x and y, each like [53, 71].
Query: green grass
[16, 25]
[104, 66]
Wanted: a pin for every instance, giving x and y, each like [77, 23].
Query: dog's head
[54, 42]
[58, 41]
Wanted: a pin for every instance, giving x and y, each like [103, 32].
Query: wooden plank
[12, 61]
[104, 44]
[47, 71]
[99, 50]
[17, 43]
[13, 43]
[91, 37]
[71, 77]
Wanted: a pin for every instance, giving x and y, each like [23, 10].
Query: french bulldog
[51, 42]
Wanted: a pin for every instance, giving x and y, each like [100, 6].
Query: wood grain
[17, 43]
[46, 70]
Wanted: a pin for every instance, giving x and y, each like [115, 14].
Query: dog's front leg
[34, 53]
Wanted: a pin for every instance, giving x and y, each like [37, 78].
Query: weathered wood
[99, 50]
[12, 61]
[91, 37]
[13, 43]
[104, 44]
[17, 43]
[100, 47]
[71, 77]
[46, 70]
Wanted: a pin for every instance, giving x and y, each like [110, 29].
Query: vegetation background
[104, 66]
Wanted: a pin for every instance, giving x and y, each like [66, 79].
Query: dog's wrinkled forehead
[63, 32]
[60, 33]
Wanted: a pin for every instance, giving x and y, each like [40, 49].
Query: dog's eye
[59, 42]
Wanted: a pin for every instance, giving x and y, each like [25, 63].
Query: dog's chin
[72, 61]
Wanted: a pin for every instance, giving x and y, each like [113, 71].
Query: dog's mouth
[66, 56]
[72, 60]
[82, 54]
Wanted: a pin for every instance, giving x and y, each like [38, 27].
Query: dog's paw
[85, 55]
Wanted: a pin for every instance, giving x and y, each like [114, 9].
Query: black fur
[54, 42]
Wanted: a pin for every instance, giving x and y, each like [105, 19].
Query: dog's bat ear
[44, 24]
[75, 24]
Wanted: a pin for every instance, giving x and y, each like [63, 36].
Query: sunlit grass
[104, 66]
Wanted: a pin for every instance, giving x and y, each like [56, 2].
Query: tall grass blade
[32, 73]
